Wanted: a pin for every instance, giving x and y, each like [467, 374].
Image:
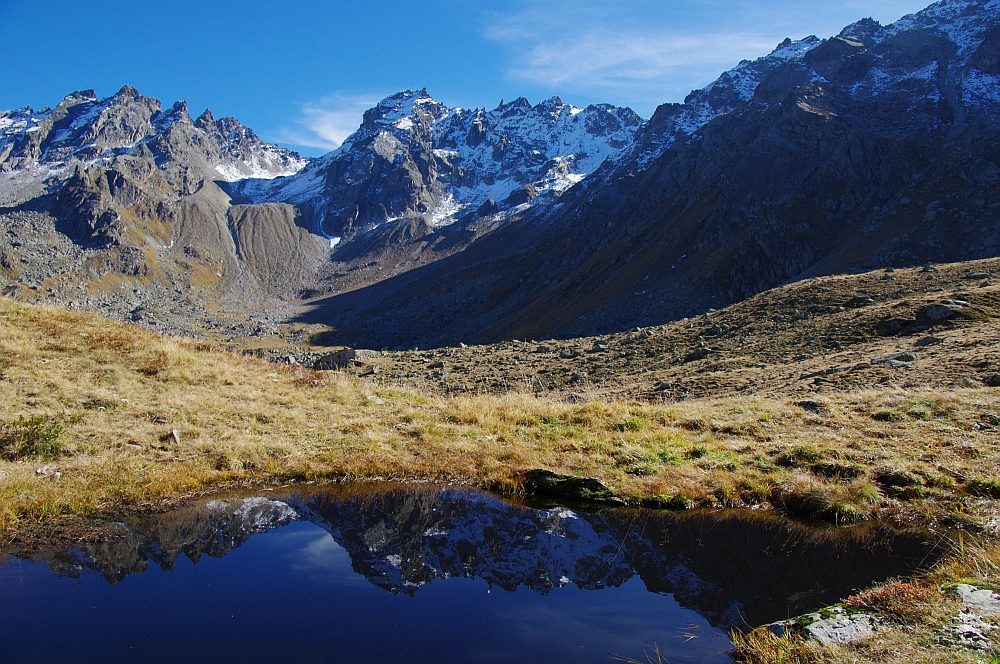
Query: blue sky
[301, 72]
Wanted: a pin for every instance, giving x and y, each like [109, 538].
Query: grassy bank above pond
[126, 416]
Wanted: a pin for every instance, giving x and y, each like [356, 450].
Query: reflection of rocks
[734, 569]
[213, 528]
[404, 539]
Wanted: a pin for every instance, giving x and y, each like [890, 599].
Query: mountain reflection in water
[733, 569]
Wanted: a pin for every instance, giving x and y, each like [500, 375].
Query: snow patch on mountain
[732, 89]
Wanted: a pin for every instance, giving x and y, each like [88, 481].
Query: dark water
[423, 574]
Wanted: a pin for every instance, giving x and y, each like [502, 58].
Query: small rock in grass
[569, 353]
[841, 630]
[781, 627]
[929, 340]
[375, 399]
[901, 360]
[812, 406]
[581, 488]
[983, 602]
[48, 471]
[697, 354]
[859, 301]
[942, 310]
[993, 381]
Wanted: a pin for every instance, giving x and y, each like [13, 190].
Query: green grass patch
[885, 415]
[631, 424]
[35, 436]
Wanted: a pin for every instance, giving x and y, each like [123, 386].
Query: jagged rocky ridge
[87, 130]
[401, 539]
[415, 158]
[185, 214]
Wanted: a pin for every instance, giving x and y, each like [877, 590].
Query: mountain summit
[415, 158]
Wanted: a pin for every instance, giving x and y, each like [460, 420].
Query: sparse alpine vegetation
[134, 417]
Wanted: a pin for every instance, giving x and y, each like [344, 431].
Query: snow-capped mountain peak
[83, 128]
[415, 158]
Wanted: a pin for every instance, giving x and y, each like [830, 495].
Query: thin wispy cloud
[656, 50]
[582, 47]
[608, 59]
[326, 122]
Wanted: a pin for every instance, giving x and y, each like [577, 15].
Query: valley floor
[101, 417]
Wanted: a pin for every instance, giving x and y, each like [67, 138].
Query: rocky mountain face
[117, 205]
[414, 158]
[85, 129]
[419, 181]
[175, 216]
[432, 225]
[877, 147]
[401, 539]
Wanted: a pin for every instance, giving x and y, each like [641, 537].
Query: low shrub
[35, 436]
[799, 455]
[836, 469]
[666, 501]
[901, 602]
[888, 416]
[696, 452]
[631, 424]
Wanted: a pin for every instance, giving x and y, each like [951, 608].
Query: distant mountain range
[430, 225]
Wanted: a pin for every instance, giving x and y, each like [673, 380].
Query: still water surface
[426, 574]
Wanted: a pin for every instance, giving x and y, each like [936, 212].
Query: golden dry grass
[119, 392]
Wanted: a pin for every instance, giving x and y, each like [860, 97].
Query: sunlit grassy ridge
[111, 396]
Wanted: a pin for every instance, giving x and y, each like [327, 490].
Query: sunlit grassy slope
[99, 402]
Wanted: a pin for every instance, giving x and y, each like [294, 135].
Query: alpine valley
[511, 347]
[432, 225]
